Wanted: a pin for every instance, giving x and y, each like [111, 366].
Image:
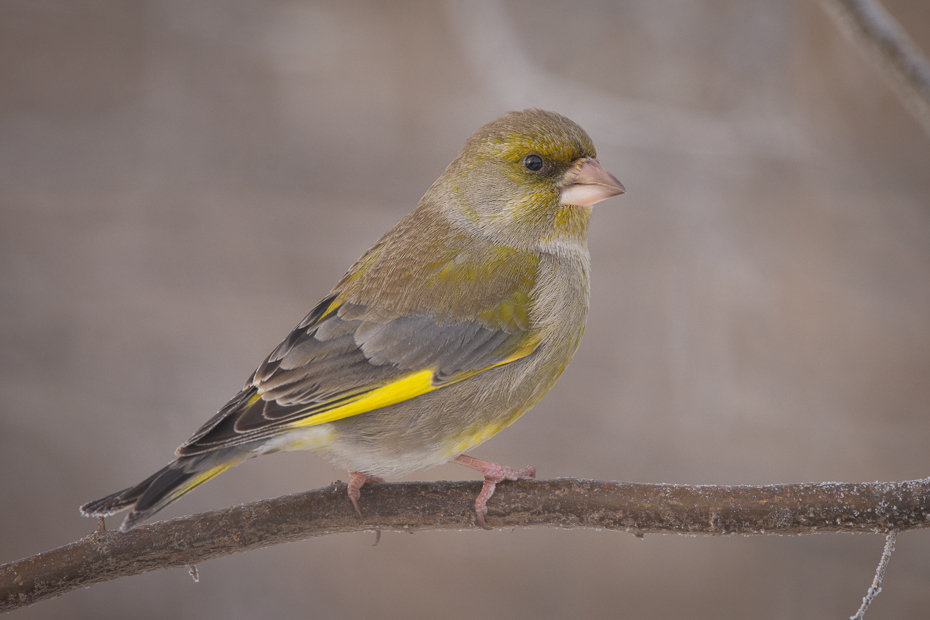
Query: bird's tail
[161, 488]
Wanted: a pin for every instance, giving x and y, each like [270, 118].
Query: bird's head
[528, 177]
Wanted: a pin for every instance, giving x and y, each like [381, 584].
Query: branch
[876, 587]
[877, 35]
[419, 506]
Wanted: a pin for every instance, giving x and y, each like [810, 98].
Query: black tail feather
[155, 492]
[119, 501]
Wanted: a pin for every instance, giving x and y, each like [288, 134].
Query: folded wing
[345, 358]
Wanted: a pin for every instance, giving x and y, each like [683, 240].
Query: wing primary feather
[320, 311]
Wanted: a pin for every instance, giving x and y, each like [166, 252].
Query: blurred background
[181, 180]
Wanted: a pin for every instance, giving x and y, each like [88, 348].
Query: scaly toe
[527, 472]
[355, 487]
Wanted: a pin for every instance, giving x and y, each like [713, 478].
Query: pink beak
[586, 183]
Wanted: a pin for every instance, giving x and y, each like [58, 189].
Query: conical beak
[586, 183]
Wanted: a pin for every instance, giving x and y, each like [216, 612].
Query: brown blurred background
[181, 180]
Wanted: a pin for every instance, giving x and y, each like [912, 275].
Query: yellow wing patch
[196, 481]
[409, 386]
[405, 388]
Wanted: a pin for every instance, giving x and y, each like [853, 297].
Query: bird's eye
[533, 162]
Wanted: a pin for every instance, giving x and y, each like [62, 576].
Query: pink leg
[355, 485]
[493, 473]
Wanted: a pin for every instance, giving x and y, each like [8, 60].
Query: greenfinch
[449, 328]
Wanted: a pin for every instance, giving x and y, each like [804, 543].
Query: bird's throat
[570, 223]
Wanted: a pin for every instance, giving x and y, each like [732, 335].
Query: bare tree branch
[877, 35]
[411, 507]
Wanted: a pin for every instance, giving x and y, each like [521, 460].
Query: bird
[449, 328]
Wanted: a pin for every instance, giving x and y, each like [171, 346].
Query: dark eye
[533, 162]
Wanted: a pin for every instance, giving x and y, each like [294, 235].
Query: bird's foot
[355, 491]
[493, 473]
[355, 487]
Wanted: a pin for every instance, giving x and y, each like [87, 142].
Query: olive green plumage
[451, 326]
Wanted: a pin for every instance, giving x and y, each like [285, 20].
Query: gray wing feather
[342, 354]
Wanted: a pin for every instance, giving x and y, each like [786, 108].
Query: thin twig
[877, 35]
[876, 586]
[410, 507]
